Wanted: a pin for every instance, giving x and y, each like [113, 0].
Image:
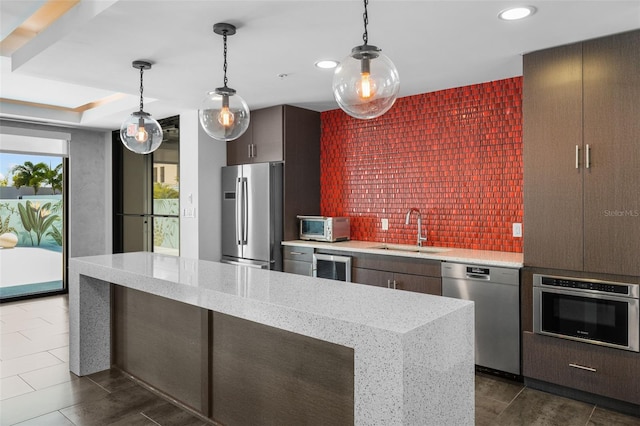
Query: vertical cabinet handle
[253, 150]
[394, 284]
[587, 157]
[577, 157]
[249, 150]
[388, 283]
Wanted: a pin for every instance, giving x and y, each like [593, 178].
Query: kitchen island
[412, 355]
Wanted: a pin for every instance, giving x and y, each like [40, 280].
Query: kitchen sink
[410, 249]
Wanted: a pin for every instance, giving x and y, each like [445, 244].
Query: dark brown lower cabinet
[267, 376]
[236, 372]
[418, 283]
[590, 368]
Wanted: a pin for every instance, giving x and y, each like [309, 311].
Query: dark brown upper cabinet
[581, 107]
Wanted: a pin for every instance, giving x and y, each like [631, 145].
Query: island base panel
[163, 343]
[268, 376]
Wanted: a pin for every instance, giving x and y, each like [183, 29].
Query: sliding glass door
[32, 224]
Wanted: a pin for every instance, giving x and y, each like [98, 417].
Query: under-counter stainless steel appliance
[252, 215]
[495, 292]
[322, 228]
[593, 311]
[332, 266]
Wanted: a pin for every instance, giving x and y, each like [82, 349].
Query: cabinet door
[418, 283]
[552, 111]
[267, 135]
[238, 151]
[612, 132]
[371, 277]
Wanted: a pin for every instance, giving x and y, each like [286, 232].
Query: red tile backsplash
[454, 154]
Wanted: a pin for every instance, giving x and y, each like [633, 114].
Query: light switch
[517, 230]
[189, 212]
[385, 224]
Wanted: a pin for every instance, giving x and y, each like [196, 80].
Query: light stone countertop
[401, 340]
[446, 254]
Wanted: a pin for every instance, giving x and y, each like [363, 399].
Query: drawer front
[590, 368]
[408, 265]
[302, 254]
[299, 268]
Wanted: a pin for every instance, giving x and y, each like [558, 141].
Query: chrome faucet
[406, 222]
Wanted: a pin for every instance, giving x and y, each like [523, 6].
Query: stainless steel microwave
[322, 228]
[591, 311]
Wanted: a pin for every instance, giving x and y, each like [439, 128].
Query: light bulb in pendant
[226, 117]
[141, 135]
[366, 88]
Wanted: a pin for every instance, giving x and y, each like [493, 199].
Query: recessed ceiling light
[327, 64]
[515, 13]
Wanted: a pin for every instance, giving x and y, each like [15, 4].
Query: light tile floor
[37, 389]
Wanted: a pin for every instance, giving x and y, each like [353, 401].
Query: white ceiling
[86, 55]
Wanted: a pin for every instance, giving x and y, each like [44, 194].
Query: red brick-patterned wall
[454, 154]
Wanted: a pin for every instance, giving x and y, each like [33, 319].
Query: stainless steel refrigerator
[252, 215]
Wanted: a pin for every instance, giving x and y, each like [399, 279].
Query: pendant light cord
[365, 17]
[141, 89]
[224, 67]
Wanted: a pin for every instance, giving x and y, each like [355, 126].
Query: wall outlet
[189, 212]
[385, 224]
[517, 230]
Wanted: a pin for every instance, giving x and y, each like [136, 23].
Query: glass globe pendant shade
[224, 115]
[366, 83]
[140, 133]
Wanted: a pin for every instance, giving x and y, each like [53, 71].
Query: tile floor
[37, 389]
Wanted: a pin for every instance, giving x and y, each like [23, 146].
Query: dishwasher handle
[479, 277]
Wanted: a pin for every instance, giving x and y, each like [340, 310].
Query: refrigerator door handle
[245, 211]
[239, 213]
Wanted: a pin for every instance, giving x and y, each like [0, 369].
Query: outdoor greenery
[35, 175]
[164, 191]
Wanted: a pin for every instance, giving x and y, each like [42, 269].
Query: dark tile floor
[37, 389]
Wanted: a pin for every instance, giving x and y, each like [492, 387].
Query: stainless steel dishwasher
[496, 295]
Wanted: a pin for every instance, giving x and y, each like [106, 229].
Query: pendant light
[140, 133]
[224, 114]
[366, 82]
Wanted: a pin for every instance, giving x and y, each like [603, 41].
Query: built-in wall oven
[600, 312]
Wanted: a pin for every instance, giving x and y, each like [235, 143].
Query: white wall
[201, 159]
